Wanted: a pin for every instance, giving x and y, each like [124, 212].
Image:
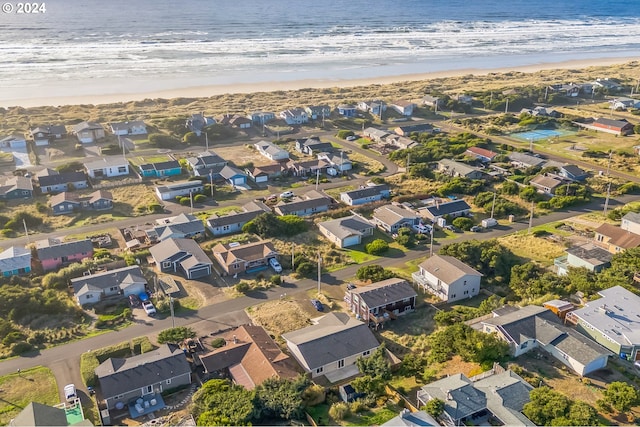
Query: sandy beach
[110, 92]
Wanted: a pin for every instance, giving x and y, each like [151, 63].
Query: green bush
[21, 347]
[344, 133]
[463, 223]
[376, 247]
[185, 201]
[243, 286]
[175, 335]
[155, 208]
[339, 411]
[276, 279]
[375, 273]
[200, 198]
[218, 342]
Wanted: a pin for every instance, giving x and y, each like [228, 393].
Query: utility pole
[609, 162]
[319, 270]
[431, 244]
[211, 182]
[530, 218]
[206, 139]
[493, 205]
[606, 201]
[531, 144]
[173, 319]
[546, 91]
[26, 230]
[506, 107]
[317, 178]
[191, 200]
[408, 160]
[293, 256]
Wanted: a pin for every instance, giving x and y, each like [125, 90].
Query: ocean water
[84, 47]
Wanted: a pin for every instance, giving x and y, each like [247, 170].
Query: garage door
[238, 181]
[260, 179]
[198, 272]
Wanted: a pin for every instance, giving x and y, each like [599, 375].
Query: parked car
[70, 392]
[351, 138]
[149, 308]
[452, 228]
[422, 228]
[275, 265]
[351, 286]
[272, 198]
[476, 229]
[317, 304]
[134, 301]
[286, 195]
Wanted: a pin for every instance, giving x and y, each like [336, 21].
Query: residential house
[401, 142]
[179, 189]
[522, 160]
[98, 200]
[346, 231]
[13, 141]
[407, 130]
[107, 167]
[160, 169]
[586, 255]
[411, 419]
[404, 107]
[331, 346]
[607, 83]
[537, 327]
[312, 146]
[15, 261]
[182, 226]
[498, 395]
[570, 90]
[375, 134]
[448, 278]
[262, 174]
[122, 282]
[611, 321]
[181, 256]
[541, 111]
[235, 258]
[347, 110]
[261, 117]
[338, 163]
[379, 301]
[464, 99]
[294, 116]
[616, 127]
[432, 101]
[631, 222]
[271, 151]
[375, 107]
[51, 181]
[315, 112]
[311, 203]
[306, 168]
[38, 415]
[546, 184]
[44, 135]
[15, 187]
[573, 173]
[249, 358]
[233, 222]
[368, 194]
[454, 208]
[53, 253]
[128, 128]
[615, 239]
[64, 203]
[233, 176]
[143, 376]
[197, 122]
[482, 154]
[88, 132]
[458, 169]
[206, 163]
[623, 103]
[240, 122]
[393, 217]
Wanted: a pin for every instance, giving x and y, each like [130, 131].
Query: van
[70, 392]
[489, 222]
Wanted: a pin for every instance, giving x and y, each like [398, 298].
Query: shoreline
[205, 91]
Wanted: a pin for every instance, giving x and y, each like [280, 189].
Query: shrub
[377, 247]
[276, 279]
[339, 411]
[21, 347]
[175, 335]
[218, 342]
[344, 133]
[155, 208]
[88, 363]
[306, 268]
[200, 198]
[375, 273]
[243, 286]
[313, 395]
[185, 201]
[463, 223]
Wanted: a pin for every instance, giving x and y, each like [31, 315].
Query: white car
[351, 138]
[275, 265]
[149, 308]
[286, 195]
[422, 228]
[70, 392]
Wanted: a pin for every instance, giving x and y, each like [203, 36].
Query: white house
[447, 278]
[180, 188]
[107, 167]
[338, 162]
[294, 116]
[271, 151]
[631, 222]
[128, 128]
[88, 132]
[404, 107]
[122, 282]
[368, 194]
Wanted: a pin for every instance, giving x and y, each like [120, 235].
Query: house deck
[146, 405]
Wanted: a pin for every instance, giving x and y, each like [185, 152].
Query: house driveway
[20, 155]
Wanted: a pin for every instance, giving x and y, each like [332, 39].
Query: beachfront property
[271, 151]
[52, 253]
[312, 146]
[586, 255]
[15, 261]
[197, 122]
[453, 208]
[403, 107]
[128, 128]
[15, 187]
[160, 169]
[346, 231]
[546, 184]
[331, 346]
[347, 110]
[447, 278]
[206, 163]
[381, 301]
[240, 122]
[88, 132]
[44, 135]
[311, 203]
[13, 141]
[432, 101]
[236, 258]
[611, 321]
[180, 255]
[315, 112]
[616, 127]
[368, 194]
[178, 189]
[457, 169]
[482, 154]
[114, 284]
[67, 203]
[532, 327]
[615, 239]
[607, 83]
[375, 107]
[182, 226]
[52, 181]
[294, 116]
[233, 222]
[566, 89]
[261, 117]
[107, 167]
[393, 217]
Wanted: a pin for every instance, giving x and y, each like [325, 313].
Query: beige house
[235, 258]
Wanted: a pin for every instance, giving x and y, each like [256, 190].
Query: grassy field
[140, 160]
[335, 192]
[366, 165]
[534, 248]
[19, 389]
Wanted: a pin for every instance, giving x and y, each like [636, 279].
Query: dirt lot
[242, 154]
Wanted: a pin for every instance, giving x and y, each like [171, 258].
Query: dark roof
[448, 208]
[425, 127]
[612, 123]
[169, 164]
[574, 170]
[183, 223]
[235, 218]
[50, 129]
[591, 253]
[36, 414]
[367, 191]
[385, 292]
[170, 247]
[51, 248]
[287, 208]
[63, 178]
[119, 376]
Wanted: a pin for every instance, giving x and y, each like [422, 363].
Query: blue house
[15, 187]
[347, 110]
[160, 169]
[365, 195]
[14, 261]
[573, 172]
[233, 176]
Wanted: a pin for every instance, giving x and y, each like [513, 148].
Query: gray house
[144, 376]
[364, 195]
[121, 282]
[179, 189]
[347, 231]
[183, 226]
[587, 255]
[51, 181]
[458, 169]
[233, 222]
[311, 203]
[181, 255]
[393, 217]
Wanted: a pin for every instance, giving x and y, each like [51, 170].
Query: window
[147, 390]
[466, 292]
[453, 296]
[465, 283]
[319, 370]
[366, 353]
[122, 169]
[169, 381]
[166, 264]
[341, 363]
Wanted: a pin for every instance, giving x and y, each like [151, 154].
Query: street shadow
[257, 295]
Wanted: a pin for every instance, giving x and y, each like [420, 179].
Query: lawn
[534, 248]
[335, 192]
[19, 389]
[409, 267]
[140, 160]
[203, 215]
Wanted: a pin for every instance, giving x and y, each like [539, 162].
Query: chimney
[449, 396]
[235, 340]
[404, 413]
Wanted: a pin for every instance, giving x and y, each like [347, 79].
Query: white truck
[489, 222]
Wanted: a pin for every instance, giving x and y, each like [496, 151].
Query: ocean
[85, 47]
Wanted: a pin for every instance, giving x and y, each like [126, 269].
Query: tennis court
[539, 134]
